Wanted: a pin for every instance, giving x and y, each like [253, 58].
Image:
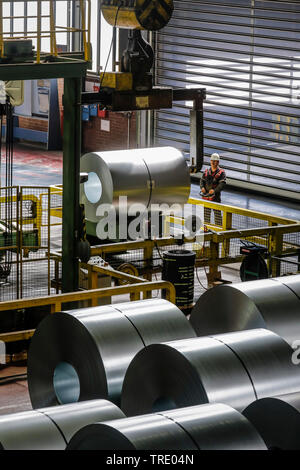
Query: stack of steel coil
[84, 354]
[206, 427]
[270, 303]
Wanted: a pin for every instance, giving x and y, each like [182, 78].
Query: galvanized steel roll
[83, 354]
[248, 365]
[268, 360]
[217, 427]
[52, 428]
[273, 304]
[185, 373]
[150, 432]
[205, 427]
[292, 282]
[146, 176]
[277, 419]
[72, 417]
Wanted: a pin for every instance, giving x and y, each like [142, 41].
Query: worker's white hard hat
[215, 156]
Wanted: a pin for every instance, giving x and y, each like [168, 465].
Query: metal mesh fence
[25, 243]
[35, 242]
[9, 235]
[290, 265]
[240, 222]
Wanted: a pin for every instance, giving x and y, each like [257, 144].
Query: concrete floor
[14, 396]
[29, 169]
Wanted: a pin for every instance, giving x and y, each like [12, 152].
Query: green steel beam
[71, 182]
[30, 71]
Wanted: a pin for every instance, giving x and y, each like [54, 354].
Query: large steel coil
[52, 428]
[206, 427]
[145, 176]
[277, 419]
[234, 369]
[268, 360]
[185, 373]
[270, 303]
[84, 354]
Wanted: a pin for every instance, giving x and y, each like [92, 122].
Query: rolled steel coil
[234, 369]
[273, 304]
[206, 427]
[277, 419]
[84, 354]
[145, 176]
[52, 428]
[268, 360]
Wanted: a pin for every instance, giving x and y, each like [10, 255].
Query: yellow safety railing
[51, 34]
[55, 301]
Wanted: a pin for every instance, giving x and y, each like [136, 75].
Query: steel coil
[273, 304]
[217, 427]
[84, 354]
[277, 419]
[150, 432]
[185, 373]
[292, 282]
[206, 427]
[145, 176]
[234, 369]
[52, 428]
[267, 359]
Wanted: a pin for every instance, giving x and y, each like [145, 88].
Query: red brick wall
[116, 139]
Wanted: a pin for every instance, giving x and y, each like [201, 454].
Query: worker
[211, 184]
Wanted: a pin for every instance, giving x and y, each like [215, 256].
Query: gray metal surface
[217, 427]
[185, 373]
[157, 318]
[277, 419]
[267, 359]
[97, 344]
[29, 430]
[292, 282]
[52, 428]
[71, 418]
[170, 175]
[152, 432]
[257, 304]
[145, 176]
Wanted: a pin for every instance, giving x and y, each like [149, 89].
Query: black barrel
[178, 268]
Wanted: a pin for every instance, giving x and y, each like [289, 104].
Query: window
[246, 54]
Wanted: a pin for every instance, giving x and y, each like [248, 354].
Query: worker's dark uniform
[215, 180]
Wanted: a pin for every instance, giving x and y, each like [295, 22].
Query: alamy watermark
[296, 353]
[137, 221]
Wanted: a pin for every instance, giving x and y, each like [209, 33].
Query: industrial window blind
[247, 55]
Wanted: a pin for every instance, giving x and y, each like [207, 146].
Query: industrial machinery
[137, 58]
[144, 175]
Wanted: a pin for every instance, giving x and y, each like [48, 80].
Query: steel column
[71, 171]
